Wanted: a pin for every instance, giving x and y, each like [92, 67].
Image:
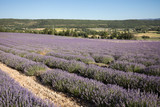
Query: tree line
[70, 23]
[78, 32]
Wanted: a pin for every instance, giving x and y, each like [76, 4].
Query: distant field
[57, 29]
[99, 29]
[38, 29]
[151, 34]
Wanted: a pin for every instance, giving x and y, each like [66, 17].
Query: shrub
[126, 36]
[145, 37]
[127, 66]
[21, 64]
[158, 32]
[34, 69]
[103, 59]
[72, 57]
[153, 70]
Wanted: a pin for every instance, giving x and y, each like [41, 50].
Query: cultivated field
[97, 72]
[151, 34]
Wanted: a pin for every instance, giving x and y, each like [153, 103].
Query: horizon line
[79, 19]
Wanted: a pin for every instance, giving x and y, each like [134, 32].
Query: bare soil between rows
[44, 92]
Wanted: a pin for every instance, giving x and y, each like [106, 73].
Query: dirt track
[39, 90]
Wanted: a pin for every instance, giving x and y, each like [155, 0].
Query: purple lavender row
[84, 59]
[153, 70]
[100, 58]
[96, 92]
[147, 60]
[128, 66]
[21, 64]
[108, 76]
[13, 95]
[138, 68]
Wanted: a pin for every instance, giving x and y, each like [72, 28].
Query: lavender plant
[72, 57]
[103, 58]
[128, 66]
[140, 59]
[13, 95]
[153, 70]
[21, 64]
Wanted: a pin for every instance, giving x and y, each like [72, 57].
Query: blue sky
[80, 9]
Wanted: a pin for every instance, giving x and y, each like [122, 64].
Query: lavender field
[102, 72]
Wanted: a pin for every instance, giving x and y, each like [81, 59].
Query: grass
[151, 34]
[99, 29]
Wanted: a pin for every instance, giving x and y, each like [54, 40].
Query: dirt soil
[41, 91]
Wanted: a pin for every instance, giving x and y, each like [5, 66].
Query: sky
[80, 9]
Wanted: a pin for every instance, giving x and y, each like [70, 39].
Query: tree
[67, 32]
[126, 35]
[103, 34]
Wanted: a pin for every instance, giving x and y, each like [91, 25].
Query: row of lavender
[138, 68]
[105, 75]
[13, 95]
[21, 64]
[91, 90]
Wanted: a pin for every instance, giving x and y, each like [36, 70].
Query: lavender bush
[153, 70]
[72, 57]
[13, 95]
[103, 58]
[96, 92]
[22, 64]
[140, 59]
[128, 66]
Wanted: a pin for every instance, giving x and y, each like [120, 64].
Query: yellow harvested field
[150, 34]
[38, 29]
